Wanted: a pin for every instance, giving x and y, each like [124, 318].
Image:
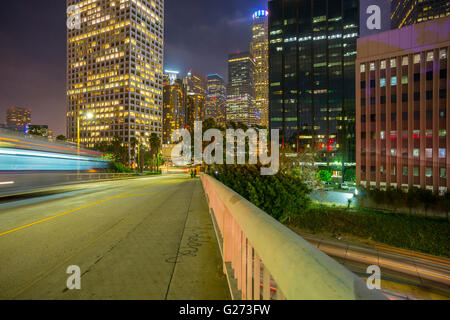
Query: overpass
[162, 237]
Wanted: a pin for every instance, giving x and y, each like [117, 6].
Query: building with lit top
[259, 49]
[241, 90]
[195, 86]
[114, 71]
[408, 12]
[18, 117]
[402, 107]
[174, 110]
[312, 53]
[216, 99]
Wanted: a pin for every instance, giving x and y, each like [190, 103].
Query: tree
[61, 138]
[324, 175]
[155, 147]
[350, 175]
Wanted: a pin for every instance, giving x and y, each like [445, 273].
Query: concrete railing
[263, 259]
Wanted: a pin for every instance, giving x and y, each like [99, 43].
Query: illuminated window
[405, 61]
[393, 63]
[393, 81]
[443, 54]
[372, 66]
[382, 135]
[417, 58]
[362, 67]
[430, 56]
[428, 153]
[416, 153]
[443, 173]
[442, 133]
[383, 82]
[404, 79]
[442, 153]
[416, 171]
[394, 152]
[383, 64]
[429, 172]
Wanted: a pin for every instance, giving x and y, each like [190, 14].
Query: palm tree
[155, 147]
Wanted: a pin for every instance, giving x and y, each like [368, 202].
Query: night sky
[199, 35]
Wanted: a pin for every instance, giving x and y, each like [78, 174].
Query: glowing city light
[260, 13]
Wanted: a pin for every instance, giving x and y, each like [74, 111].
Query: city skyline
[37, 65]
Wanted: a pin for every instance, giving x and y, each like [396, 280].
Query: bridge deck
[147, 238]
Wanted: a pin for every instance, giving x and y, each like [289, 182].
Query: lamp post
[89, 116]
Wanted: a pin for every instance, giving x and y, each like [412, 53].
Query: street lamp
[89, 116]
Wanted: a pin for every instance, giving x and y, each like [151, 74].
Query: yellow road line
[412, 253]
[73, 210]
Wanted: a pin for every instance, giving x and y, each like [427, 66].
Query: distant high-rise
[174, 111]
[195, 86]
[18, 117]
[216, 99]
[408, 12]
[259, 49]
[114, 71]
[312, 53]
[195, 83]
[241, 89]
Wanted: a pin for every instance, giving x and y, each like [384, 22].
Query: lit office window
[383, 82]
[430, 56]
[428, 153]
[442, 153]
[443, 173]
[443, 54]
[362, 67]
[383, 64]
[429, 172]
[417, 58]
[393, 81]
[416, 153]
[405, 61]
[393, 63]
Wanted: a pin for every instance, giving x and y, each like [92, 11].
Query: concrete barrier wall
[263, 259]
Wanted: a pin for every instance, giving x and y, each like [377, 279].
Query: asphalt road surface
[145, 238]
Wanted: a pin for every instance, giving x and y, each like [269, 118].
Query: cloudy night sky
[199, 35]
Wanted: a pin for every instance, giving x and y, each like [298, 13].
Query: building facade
[174, 110]
[402, 107]
[312, 53]
[408, 12]
[259, 49]
[216, 99]
[195, 83]
[241, 90]
[18, 117]
[196, 88]
[114, 71]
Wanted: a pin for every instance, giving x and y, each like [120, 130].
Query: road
[144, 238]
[405, 274]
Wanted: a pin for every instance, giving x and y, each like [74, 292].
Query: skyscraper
[241, 89]
[114, 71]
[195, 86]
[312, 52]
[195, 83]
[259, 49]
[408, 12]
[18, 117]
[216, 99]
[174, 111]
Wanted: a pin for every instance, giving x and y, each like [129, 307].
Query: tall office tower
[312, 52]
[408, 12]
[18, 117]
[216, 99]
[259, 49]
[174, 114]
[195, 106]
[195, 83]
[114, 71]
[241, 89]
[402, 107]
